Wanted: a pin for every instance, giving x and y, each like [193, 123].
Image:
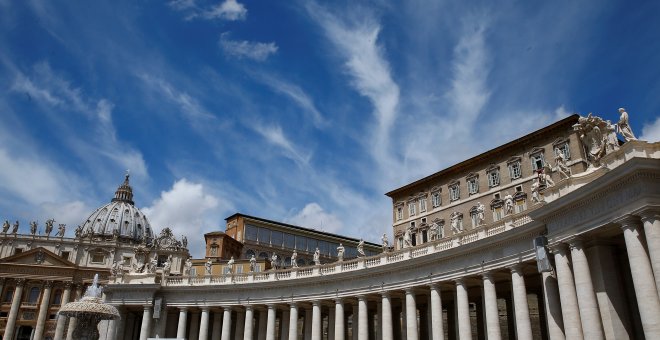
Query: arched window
[9, 295]
[57, 297]
[264, 255]
[249, 254]
[33, 297]
[301, 262]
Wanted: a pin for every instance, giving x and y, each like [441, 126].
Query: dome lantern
[124, 192]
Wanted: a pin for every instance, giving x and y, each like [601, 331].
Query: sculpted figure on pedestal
[153, 264]
[207, 266]
[562, 168]
[33, 228]
[434, 231]
[386, 243]
[456, 226]
[481, 213]
[360, 248]
[294, 259]
[60, 230]
[167, 266]
[79, 232]
[340, 252]
[545, 176]
[317, 256]
[114, 269]
[407, 238]
[230, 264]
[535, 191]
[253, 263]
[612, 142]
[15, 229]
[624, 126]
[508, 204]
[187, 267]
[49, 226]
[273, 261]
[5, 227]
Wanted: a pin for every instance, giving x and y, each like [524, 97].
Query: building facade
[597, 277]
[41, 270]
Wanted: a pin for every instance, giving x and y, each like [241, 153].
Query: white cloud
[230, 10]
[189, 209]
[274, 135]
[240, 49]
[651, 131]
[313, 216]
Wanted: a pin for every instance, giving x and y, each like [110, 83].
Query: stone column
[270, 324]
[61, 319]
[284, 325]
[520, 307]
[204, 324]
[643, 281]
[249, 323]
[261, 333]
[363, 319]
[592, 327]
[553, 311]
[240, 325]
[339, 320]
[437, 331]
[463, 311]
[226, 323]
[386, 326]
[43, 311]
[316, 320]
[293, 322]
[13, 310]
[121, 325]
[411, 315]
[217, 324]
[146, 322]
[567, 294]
[181, 329]
[651, 220]
[73, 321]
[161, 326]
[490, 307]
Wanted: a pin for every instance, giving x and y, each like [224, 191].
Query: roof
[568, 121]
[309, 230]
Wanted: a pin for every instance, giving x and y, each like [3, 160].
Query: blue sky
[298, 111]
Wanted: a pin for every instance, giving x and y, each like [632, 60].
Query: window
[473, 185]
[57, 297]
[520, 206]
[289, 241]
[249, 254]
[454, 192]
[423, 220]
[514, 170]
[475, 219]
[537, 161]
[9, 295]
[301, 243]
[435, 199]
[127, 260]
[251, 232]
[65, 255]
[33, 297]
[496, 196]
[563, 149]
[264, 255]
[412, 225]
[413, 239]
[276, 239]
[18, 251]
[163, 258]
[214, 250]
[494, 178]
[264, 235]
[97, 258]
[497, 213]
[422, 204]
[519, 188]
[411, 208]
[400, 242]
[425, 237]
[399, 213]
[193, 271]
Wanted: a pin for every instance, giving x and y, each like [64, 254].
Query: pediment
[38, 257]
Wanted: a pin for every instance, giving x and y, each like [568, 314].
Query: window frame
[493, 177]
[473, 185]
[454, 192]
[436, 200]
[412, 207]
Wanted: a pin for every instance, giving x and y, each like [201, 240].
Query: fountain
[88, 311]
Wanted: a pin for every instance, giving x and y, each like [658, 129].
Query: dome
[120, 217]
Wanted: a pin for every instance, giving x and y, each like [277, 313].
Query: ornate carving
[166, 240]
[624, 126]
[39, 257]
[15, 229]
[33, 228]
[5, 227]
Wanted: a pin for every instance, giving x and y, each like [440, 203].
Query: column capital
[487, 275]
[68, 285]
[339, 300]
[318, 302]
[409, 290]
[434, 286]
[146, 307]
[20, 282]
[516, 268]
[362, 298]
[385, 294]
[270, 306]
[629, 222]
[249, 307]
[205, 308]
[229, 308]
[648, 213]
[575, 243]
[293, 304]
[460, 281]
[183, 309]
[48, 284]
[560, 248]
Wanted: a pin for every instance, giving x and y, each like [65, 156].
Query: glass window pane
[264, 235]
[276, 239]
[289, 241]
[311, 245]
[324, 248]
[301, 243]
[251, 232]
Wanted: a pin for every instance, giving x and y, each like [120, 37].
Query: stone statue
[184, 241]
[90, 231]
[407, 238]
[597, 136]
[49, 226]
[434, 232]
[253, 263]
[536, 198]
[481, 213]
[294, 259]
[562, 168]
[153, 264]
[386, 243]
[273, 261]
[456, 226]
[33, 228]
[624, 126]
[60, 230]
[612, 142]
[508, 204]
[5, 227]
[167, 266]
[545, 175]
[340, 252]
[230, 264]
[114, 270]
[317, 256]
[15, 229]
[79, 232]
[187, 267]
[360, 248]
[207, 266]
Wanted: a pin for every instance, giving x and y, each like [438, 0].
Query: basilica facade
[553, 236]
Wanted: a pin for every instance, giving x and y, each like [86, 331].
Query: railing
[436, 246]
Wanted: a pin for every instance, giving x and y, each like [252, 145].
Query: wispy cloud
[651, 131]
[295, 93]
[241, 49]
[274, 135]
[230, 10]
[314, 216]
